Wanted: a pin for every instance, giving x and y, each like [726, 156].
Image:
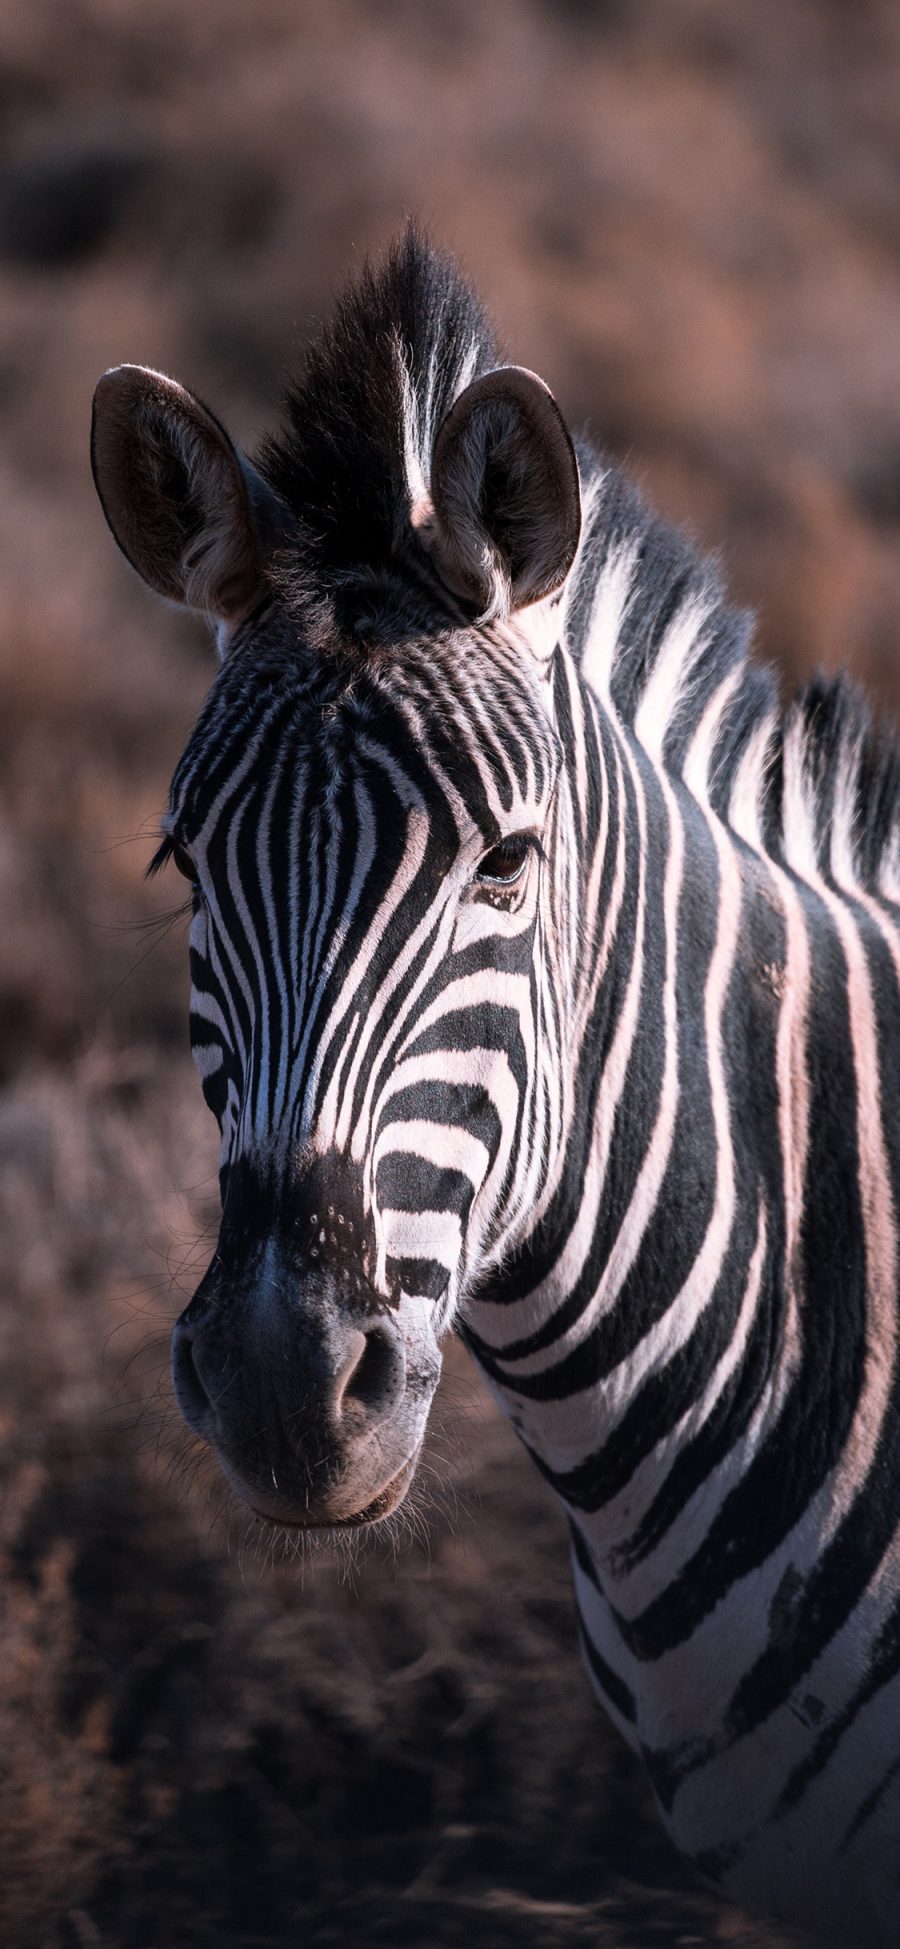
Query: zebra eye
[505, 863]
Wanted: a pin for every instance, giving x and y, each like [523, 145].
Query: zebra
[544, 986]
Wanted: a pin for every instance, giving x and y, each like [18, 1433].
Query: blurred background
[688, 220]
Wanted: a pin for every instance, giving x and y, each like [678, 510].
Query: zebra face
[368, 863]
[367, 814]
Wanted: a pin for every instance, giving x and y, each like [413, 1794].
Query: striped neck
[651, 1277]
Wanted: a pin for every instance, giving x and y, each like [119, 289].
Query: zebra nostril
[372, 1373]
[190, 1392]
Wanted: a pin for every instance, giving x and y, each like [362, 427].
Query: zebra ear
[187, 510]
[505, 492]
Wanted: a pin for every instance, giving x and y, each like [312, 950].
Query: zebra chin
[339, 1512]
[314, 1405]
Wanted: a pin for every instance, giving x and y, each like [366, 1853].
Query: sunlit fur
[671, 1221]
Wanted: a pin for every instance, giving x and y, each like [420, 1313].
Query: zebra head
[369, 815]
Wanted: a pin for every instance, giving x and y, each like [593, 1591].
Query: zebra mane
[816, 785]
[645, 615]
[352, 460]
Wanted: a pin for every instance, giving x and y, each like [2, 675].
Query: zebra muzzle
[315, 1410]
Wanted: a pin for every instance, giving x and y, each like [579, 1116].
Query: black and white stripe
[631, 1117]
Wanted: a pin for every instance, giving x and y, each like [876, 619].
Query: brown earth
[689, 220]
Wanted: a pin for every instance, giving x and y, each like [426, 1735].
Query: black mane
[360, 418]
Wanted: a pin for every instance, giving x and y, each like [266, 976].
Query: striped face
[368, 856]
[366, 815]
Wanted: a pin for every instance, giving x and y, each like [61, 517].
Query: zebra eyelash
[172, 849]
[161, 857]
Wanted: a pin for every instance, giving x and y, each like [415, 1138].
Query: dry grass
[688, 220]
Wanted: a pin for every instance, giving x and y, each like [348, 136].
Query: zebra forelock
[352, 462]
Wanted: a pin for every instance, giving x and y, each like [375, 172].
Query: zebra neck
[649, 1299]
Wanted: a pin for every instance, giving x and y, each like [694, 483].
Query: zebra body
[545, 980]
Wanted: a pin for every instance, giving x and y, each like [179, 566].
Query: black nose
[297, 1394]
[351, 1375]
